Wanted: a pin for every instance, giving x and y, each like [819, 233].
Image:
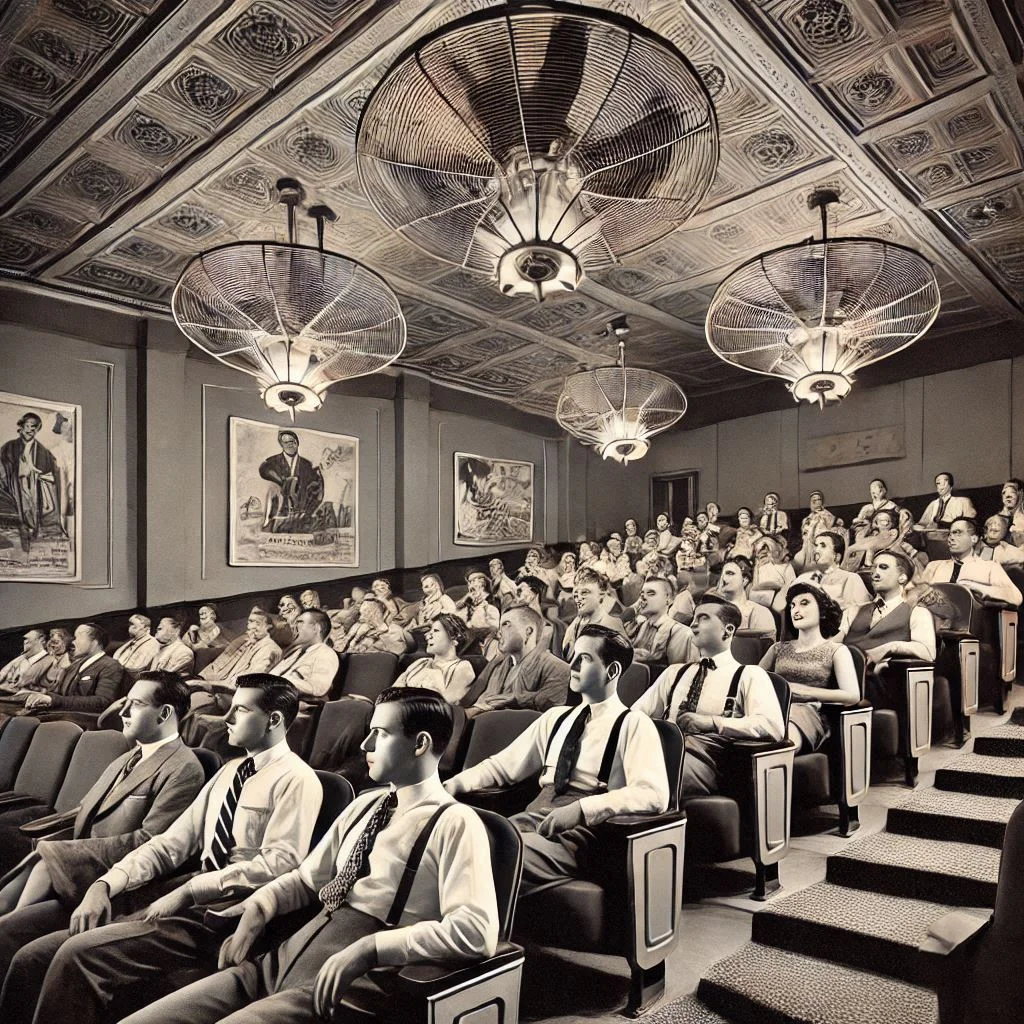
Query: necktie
[879, 608]
[816, 576]
[132, 764]
[704, 666]
[223, 840]
[570, 752]
[957, 566]
[940, 514]
[333, 894]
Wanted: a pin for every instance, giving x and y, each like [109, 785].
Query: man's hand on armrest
[340, 970]
[561, 819]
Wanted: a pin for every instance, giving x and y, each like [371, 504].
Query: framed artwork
[493, 500]
[40, 490]
[293, 494]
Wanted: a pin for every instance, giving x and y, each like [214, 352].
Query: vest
[894, 626]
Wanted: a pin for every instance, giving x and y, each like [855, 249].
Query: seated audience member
[994, 546]
[534, 566]
[652, 561]
[59, 644]
[208, 633]
[734, 585]
[398, 608]
[309, 599]
[373, 632]
[713, 512]
[580, 785]
[880, 499]
[435, 602]
[288, 610]
[28, 670]
[908, 540]
[816, 666]
[880, 534]
[942, 510]
[773, 573]
[253, 652]
[344, 619]
[354, 880]
[442, 671]
[683, 604]
[984, 579]
[139, 653]
[1012, 496]
[618, 561]
[477, 609]
[655, 635]
[503, 588]
[773, 522]
[668, 541]
[747, 534]
[174, 654]
[688, 558]
[529, 592]
[250, 823]
[138, 795]
[90, 683]
[633, 544]
[525, 674]
[566, 571]
[846, 588]
[715, 701]
[592, 594]
[888, 627]
[817, 521]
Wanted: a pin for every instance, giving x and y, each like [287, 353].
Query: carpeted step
[1017, 716]
[959, 817]
[960, 874]
[758, 985]
[985, 776]
[1003, 741]
[688, 1010]
[868, 930]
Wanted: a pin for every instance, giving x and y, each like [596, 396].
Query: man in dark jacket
[92, 682]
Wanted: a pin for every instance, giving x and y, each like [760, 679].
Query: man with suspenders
[402, 876]
[715, 701]
[596, 760]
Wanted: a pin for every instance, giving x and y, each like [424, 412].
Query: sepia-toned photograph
[493, 500]
[293, 495]
[40, 459]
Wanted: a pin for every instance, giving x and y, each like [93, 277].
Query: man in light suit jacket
[136, 797]
[92, 682]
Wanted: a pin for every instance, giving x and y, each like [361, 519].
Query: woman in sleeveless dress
[442, 671]
[817, 668]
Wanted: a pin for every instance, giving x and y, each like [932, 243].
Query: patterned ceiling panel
[122, 169]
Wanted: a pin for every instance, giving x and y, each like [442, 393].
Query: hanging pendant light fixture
[298, 318]
[817, 312]
[618, 409]
[537, 141]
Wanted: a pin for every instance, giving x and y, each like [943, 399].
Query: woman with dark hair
[442, 671]
[817, 668]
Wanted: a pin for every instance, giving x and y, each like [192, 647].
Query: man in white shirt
[847, 588]
[354, 876]
[503, 588]
[880, 499]
[774, 522]
[253, 652]
[250, 823]
[31, 666]
[994, 547]
[142, 648]
[715, 701]
[656, 637]
[174, 655]
[983, 579]
[595, 761]
[373, 631]
[592, 594]
[942, 510]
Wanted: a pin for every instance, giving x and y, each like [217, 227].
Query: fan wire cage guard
[817, 312]
[295, 317]
[617, 409]
[536, 142]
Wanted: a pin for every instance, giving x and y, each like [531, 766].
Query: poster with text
[294, 495]
[493, 500]
[40, 498]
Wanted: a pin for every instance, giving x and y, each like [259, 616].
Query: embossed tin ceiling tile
[248, 188]
[98, 274]
[267, 39]
[206, 95]
[15, 124]
[341, 111]
[909, 148]
[148, 254]
[192, 221]
[826, 29]
[45, 225]
[28, 80]
[397, 256]
[560, 315]
[94, 185]
[449, 362]
[972, 123]
[311, 152]
[671, 259]
[988, 160]
[632, 280]
[433, 322]
[18, 253]
[1008, 260]
[944, 60]
[875, 92]
[989, 213]
[103, 18]
[148, 138]
[464, 286]
[685, 305]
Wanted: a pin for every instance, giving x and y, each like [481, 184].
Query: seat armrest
[421, 980]
[906, 663]
[947, 934]
[43, 827]
[504, 800]
[9, 801]
[759, 746]
[628, 824]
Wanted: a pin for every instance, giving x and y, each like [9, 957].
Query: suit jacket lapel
[142, 773]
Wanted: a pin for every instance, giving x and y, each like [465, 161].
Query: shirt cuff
[116, 880]
[205, 888]
[391, 948]
[594, 811]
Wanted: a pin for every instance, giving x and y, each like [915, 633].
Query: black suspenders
[604, 774]
[730, 699]
[412, 865]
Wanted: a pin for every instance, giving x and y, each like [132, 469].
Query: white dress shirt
[955, 506]
[638, 783]
[242, 655]
[451, 913]
[989, 577]
[24, 671]
[757, 713]
[847, 588]
[272, 827]
[1004, 553]
[176, 656]
[451, 680]
[312, 669]
[922, 627]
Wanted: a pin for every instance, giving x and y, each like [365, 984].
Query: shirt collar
[409, 796]
[148, 749]
[274, 753]
[724, 659]
[88, 661]
[609, 706]
[38, 656]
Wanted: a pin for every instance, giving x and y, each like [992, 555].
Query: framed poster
[493, 500]
[293, 494]
[40, 490]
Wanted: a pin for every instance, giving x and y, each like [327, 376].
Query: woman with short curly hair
[442, 671]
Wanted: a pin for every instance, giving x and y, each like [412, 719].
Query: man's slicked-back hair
[972, 524]
[838, 542]
[905, 565]
[745, 566]
[949, 476]
[322, 620]
[422, 710]
[535, 583]
[171, 689]
[728, 613]
[614, 647]
[276, 694]
[98, 633]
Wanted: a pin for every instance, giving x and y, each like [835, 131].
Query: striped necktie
[333, 894]
[223, 839]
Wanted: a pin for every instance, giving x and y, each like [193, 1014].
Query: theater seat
[210, 761]
[14, 744]
[635, 681]
[903, 699]
[368, 673]
[338, 794]
[491, 732]
[41, 773]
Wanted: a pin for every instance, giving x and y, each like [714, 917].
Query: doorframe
[691, 475]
